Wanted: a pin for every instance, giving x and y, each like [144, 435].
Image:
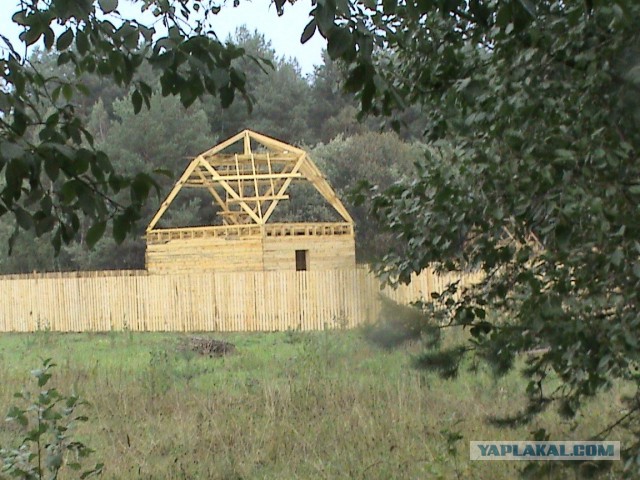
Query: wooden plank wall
[325, 252]
[240, 301]
[227, 254]
[250, 253]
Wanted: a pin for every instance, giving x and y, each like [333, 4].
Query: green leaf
[164, 172]
[31, 36]
[43, 378]
[69, 191]
[44, 225]
[529, 7]
[279, 6]
[17, 414]
[308, 31]
[136, 99]
[616, 257]
[97, 470]
[10, 150]
[65, 40]
[339, 42]
[633, 75]
[95, 233]
[23, 218]
[49, 38]
[120, 228]
[67, 91]
[140, 187]
[56, 241]
[108, 6]
[82, 42]
[324, 14]
[226, 96]
[356, 78]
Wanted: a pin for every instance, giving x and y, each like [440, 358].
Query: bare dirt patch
[209, 346]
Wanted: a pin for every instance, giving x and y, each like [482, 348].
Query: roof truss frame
[245, 201]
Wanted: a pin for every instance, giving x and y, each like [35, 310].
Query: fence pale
[243, 301]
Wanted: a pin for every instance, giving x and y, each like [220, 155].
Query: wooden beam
[326, 228]
[272, 187]
[255, 187]
[230, 191]
[273, 143]
[192, 183]
[313, 174]
[247, 144]
[229, 159]
[214, 194]
[259, 198]
[236, 213]
[260, 176]
[270, 172]
[284, 187]
[223, 145]
[172, 194]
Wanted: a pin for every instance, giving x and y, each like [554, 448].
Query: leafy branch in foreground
[47, 420]
[54, 178]
[531, 175]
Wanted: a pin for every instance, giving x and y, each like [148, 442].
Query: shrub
[397, 324]
[47, 418]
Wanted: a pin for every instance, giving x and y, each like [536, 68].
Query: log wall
[324, 252]
[221, 254]
[250, 253]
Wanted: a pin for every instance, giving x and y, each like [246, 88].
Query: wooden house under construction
[248, 177]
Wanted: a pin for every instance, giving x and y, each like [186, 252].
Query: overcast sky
[283, 32]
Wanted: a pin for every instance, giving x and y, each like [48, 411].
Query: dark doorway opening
[302, 260]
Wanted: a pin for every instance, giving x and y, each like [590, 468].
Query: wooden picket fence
[244, 301]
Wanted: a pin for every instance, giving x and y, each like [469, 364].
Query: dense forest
[306, 110]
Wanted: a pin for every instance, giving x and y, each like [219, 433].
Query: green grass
[284, 406]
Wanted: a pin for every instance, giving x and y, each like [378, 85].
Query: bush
[398, 324]
[47, 419]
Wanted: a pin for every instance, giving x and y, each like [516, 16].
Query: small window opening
[302, 260]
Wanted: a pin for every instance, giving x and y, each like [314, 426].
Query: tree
[279, 94]
[331, 111]
[378, 159]
[532, 176]
[53, 172]
[161, 138]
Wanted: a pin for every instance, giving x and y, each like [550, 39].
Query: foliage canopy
[532, 176]
[52, 171]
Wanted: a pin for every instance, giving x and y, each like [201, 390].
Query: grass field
[284, 406]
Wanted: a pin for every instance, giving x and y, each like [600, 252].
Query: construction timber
[247, 186]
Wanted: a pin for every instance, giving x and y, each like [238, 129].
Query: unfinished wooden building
[248, 177]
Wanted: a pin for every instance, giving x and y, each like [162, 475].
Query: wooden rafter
[232, 193]
[313, 174]
[221, 203]
[284, 187]
[223, 145]
[259, 176]
[172, 194]
[248, 186]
